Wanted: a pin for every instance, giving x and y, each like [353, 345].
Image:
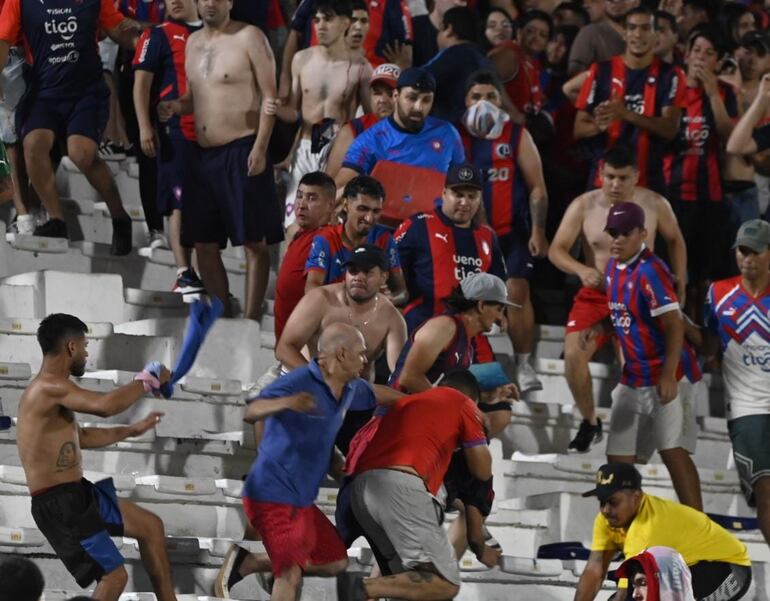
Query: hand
[708, 80]
[149, 422]
[490, 556]
[538, 244]
[671, 6]
[270, 105]
[386, 292]
[147, 140]
[303, 402]
[167, 109]
[613, 110]
[505, 394]
[590, 277]
[256, 162]
[398, 53]
[764, 88]
[668, 388]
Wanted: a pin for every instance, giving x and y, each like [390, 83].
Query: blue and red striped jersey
[61, 36]
[692, 168]
[505, 192]
[146, 11]
[389, 21]
[638, 292]
[436, 255]
[161, 50]
[644, 91]
[328, 252]
[458, 354]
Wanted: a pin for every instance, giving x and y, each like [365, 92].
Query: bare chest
[217, 64]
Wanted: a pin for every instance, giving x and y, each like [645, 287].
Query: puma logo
[443, 237]
[181, 38]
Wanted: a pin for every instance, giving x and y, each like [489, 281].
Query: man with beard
[231, 74]
[76, 516]
[635, 98]
[356, 301]
[321, 96]
[333, 246]
[585, 219]
[515, 203]
[381, 88]
[409, 136]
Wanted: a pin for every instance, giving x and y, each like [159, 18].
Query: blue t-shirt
[436, 146]
[296, 448]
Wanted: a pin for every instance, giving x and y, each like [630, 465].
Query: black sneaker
[228, 575]
[188, 282]
[53, 228]
[587, 436]
[121, 236]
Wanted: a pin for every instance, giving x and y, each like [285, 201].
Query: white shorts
[14, 86]
[304, 162]
[108, 52]
[640, 425]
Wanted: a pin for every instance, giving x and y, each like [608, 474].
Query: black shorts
[178, 172]
[519, 263]
[232, 204]
[86, 115]
[704, 227]
[78, 519]
[719, 581]
[749, 435]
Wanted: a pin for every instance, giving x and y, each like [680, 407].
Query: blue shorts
[232, 204]
[519, 263]
[86, 115]
[78, 519]
[178, 172]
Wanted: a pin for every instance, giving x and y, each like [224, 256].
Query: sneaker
[267, 580]
[158, 240]
[587, 436]
[188, 282]
[228, 575]
[121, 236]
[53, 228]
[528, 380]
[23, 224]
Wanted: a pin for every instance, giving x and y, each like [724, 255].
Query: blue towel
[202, 317]
[489, 375]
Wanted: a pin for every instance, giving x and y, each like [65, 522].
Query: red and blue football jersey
[638, 292]
[329, 254]
[504, 193]
[146, 11]
[161, 50]
[644, 91]
[436, 255]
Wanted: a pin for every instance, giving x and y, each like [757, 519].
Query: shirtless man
[359, 26]
[76, 516]
[231, 74]
[329, 81]
[585, 218]
[356, 301]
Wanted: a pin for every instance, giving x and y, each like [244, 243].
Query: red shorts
[295, 536]
[589, 308]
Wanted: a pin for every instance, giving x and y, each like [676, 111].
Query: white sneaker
[25, 224]
[158, 240]
[528, 380]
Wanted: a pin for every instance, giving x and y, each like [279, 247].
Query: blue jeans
[743, 205]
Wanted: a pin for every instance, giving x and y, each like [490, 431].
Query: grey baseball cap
[754, 234]
[485, 287]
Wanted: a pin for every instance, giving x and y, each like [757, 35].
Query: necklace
[372, 312]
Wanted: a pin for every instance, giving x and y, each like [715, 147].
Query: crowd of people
[619, 144]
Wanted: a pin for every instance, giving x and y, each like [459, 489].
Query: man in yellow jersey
[631, 521]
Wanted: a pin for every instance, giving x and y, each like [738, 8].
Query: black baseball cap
[367, 256]
[756, 39]
[613, 477]
[463, 174]
[417, 78]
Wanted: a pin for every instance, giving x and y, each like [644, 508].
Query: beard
[78, 369]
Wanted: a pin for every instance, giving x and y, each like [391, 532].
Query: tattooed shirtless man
[76, 516]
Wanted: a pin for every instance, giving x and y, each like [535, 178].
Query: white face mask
[485, 120]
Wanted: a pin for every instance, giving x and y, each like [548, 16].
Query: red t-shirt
[290, 285]
[422, 431]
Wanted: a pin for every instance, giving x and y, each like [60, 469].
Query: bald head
[337, 336]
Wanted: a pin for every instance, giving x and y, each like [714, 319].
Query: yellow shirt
[660, 522]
